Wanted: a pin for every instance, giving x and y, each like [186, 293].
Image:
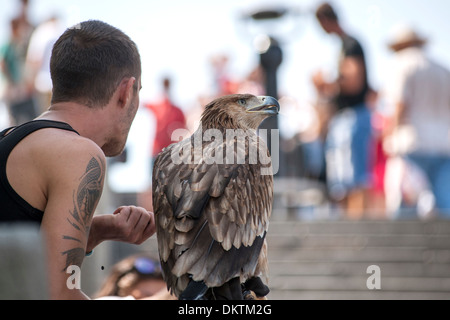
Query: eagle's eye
[242, 102]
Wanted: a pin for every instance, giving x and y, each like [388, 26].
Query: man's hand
[130, 224]
[133, 224]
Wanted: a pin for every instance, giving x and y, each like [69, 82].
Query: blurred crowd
[387, 151]
[25, 65]
[380, 152]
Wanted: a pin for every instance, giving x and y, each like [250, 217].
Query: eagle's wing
[212, 219]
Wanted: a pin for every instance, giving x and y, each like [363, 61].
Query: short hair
[326, 11]
[89, 61]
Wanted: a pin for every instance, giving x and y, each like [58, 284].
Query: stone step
[359, 283]
[338, 269]
[329, 259]
[360, 227]
[374, 255]
[288, 241]
[23, 274]
[357, 295]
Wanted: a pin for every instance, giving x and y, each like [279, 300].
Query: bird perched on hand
[212, 198]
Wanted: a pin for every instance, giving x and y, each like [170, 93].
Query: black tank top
[14, 208]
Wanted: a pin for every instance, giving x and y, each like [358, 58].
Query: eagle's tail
[194, 291]
[232, 290]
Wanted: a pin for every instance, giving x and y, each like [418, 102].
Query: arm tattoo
[85, 200]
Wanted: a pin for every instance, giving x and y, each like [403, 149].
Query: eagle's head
[239, 111]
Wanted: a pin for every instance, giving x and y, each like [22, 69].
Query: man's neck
[88, 122]
[339, 31]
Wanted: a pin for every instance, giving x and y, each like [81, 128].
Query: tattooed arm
[75, 184]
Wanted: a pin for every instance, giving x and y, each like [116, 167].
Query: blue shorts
[347, 151]
[437, 169]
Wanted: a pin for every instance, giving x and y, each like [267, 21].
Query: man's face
[326, 25]
[118, 139]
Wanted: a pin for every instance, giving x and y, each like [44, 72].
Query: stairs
[315, 254]
[329, 259]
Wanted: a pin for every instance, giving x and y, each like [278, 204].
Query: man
[349, 133]
[52, 169]
[18, 92]
[168, 119]
[417, 90]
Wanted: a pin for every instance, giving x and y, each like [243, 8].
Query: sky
[178, 37]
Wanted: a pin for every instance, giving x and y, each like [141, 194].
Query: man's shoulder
[67, 159]
[54, 137]
[351, 46]
[64, 147]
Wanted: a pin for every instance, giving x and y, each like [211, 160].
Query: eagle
[212, 199]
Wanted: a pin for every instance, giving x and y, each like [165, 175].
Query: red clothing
[168, 119]
[379, 156]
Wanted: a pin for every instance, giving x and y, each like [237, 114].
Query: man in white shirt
[419, 91]
[38, 59]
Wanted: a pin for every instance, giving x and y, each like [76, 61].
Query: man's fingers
[137, 224]
[123, 212]
[145, 227]
[142, 223]
[150, 229]
[118, 210]
[134, 216]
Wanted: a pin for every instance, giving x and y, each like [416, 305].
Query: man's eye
[242, 102]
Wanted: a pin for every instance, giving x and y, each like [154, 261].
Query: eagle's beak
[268, 105]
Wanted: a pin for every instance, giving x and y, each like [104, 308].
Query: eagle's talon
[249, 295]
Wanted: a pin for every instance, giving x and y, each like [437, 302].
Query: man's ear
[126, 90]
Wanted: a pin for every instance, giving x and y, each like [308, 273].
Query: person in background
[38, 60]
[349, 132]
[19, 92]
[136, 277]
[417, 91]
[168, 118]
